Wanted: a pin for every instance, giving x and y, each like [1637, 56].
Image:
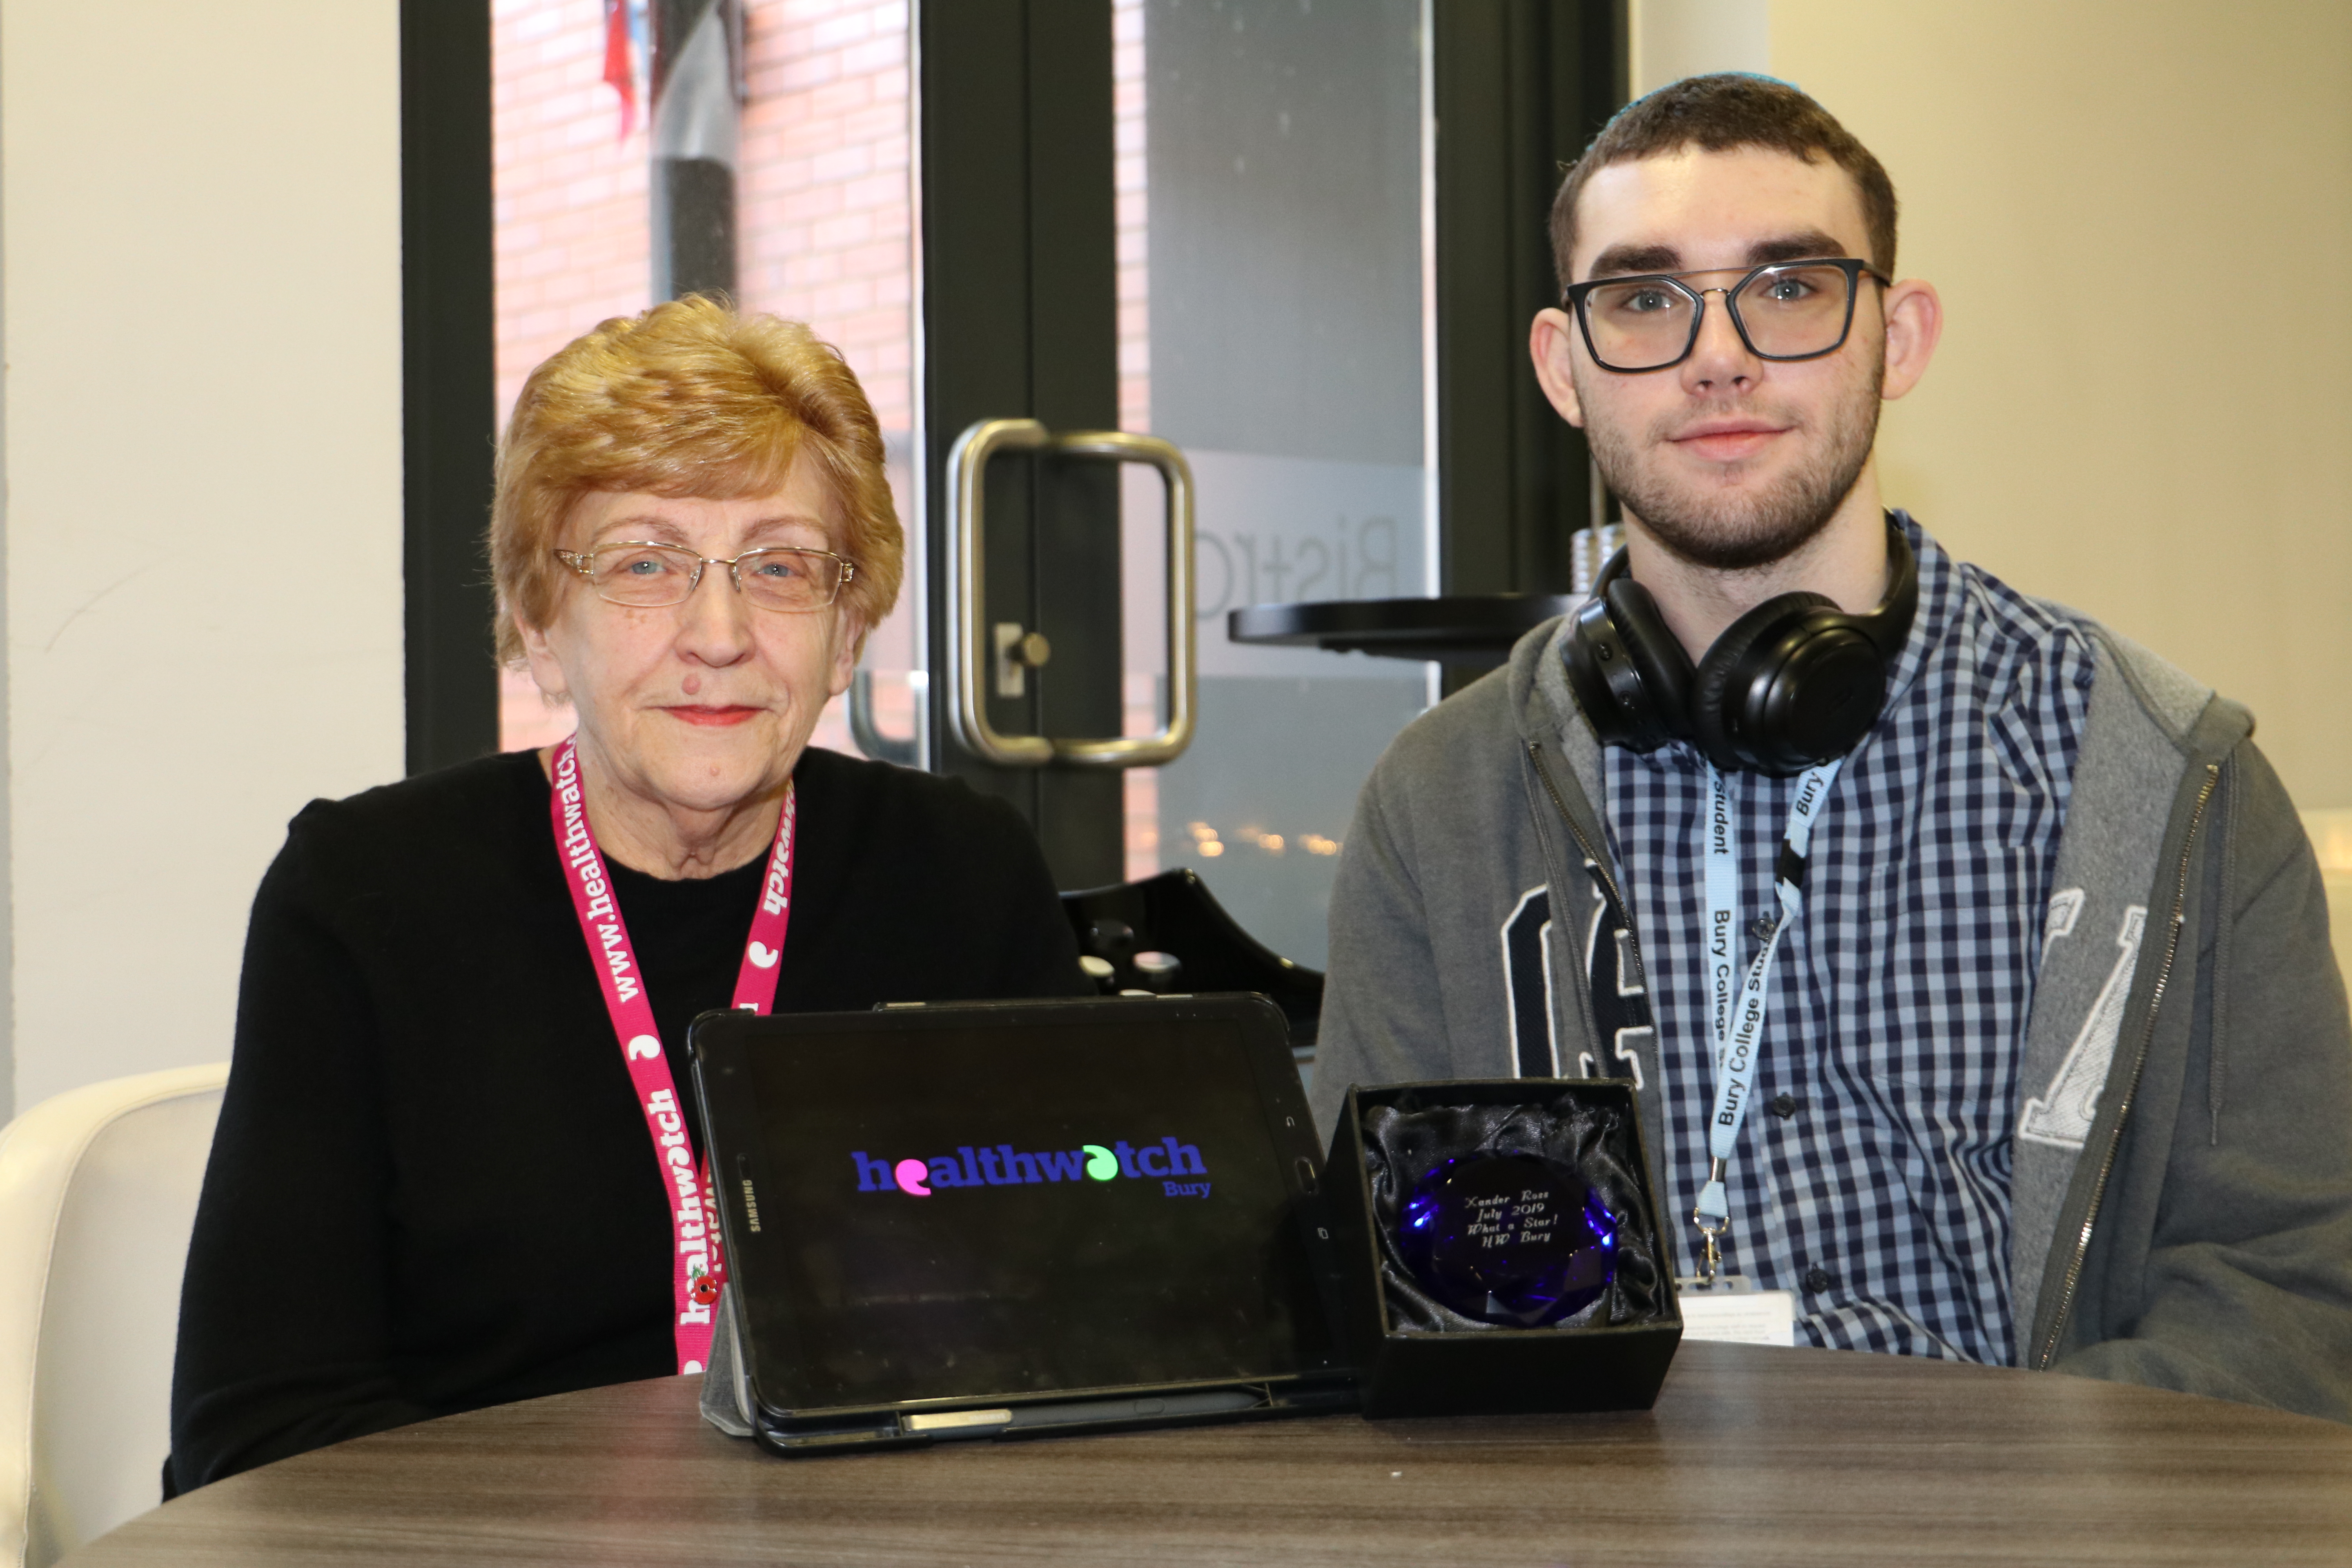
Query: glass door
[1284, 348]
[1230, 224]
[1208, 222]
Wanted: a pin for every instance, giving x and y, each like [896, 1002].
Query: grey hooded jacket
[2181, 1202]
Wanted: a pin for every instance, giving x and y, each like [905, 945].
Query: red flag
[620, 72]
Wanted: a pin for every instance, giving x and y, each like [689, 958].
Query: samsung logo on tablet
[1002, 1166]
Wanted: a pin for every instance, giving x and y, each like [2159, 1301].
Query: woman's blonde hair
[688, 399]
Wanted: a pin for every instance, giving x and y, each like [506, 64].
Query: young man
[1971, 960]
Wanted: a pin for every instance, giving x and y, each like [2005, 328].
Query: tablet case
[1195, 1276]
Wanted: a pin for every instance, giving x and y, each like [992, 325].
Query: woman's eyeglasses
[647, 577]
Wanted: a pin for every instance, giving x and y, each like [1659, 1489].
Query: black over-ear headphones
[1794, 682]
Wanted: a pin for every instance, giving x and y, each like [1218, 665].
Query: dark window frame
[448, 397]
[1521, 87]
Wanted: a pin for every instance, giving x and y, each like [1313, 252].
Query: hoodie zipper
[1601, 864]
[2131, 1086]
[1600, 861]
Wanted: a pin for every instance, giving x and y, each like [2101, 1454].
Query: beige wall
[200, 223]
[1669, 40]
[2140, 217]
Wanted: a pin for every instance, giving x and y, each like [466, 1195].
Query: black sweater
[431, 1189]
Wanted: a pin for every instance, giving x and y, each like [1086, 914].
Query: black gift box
[1409, 1371]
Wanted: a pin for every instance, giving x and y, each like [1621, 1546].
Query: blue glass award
[1509, 1238]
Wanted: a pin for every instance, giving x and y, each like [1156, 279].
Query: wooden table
[1799, 1456]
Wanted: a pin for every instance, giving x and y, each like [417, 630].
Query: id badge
[1732, 1311]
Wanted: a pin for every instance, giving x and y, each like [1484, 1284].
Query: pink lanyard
[698, 1269]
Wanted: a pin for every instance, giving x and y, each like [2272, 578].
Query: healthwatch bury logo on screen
[1168, 1163]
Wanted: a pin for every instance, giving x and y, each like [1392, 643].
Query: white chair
[97, 1195]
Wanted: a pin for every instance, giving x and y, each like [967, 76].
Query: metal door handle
[966, 651]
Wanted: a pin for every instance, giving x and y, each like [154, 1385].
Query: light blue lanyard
[1737, 1021]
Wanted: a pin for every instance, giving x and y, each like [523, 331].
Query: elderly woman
[436, 1184]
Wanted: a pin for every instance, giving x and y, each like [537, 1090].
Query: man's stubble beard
[1738, 533]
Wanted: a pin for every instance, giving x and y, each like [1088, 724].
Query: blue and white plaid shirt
[1872, 1175]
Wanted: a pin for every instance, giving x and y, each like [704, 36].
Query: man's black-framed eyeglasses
[1782, 310]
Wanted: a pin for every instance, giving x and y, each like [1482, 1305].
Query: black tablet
[994, 1220]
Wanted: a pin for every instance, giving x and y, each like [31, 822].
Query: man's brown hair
[1720, 114]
